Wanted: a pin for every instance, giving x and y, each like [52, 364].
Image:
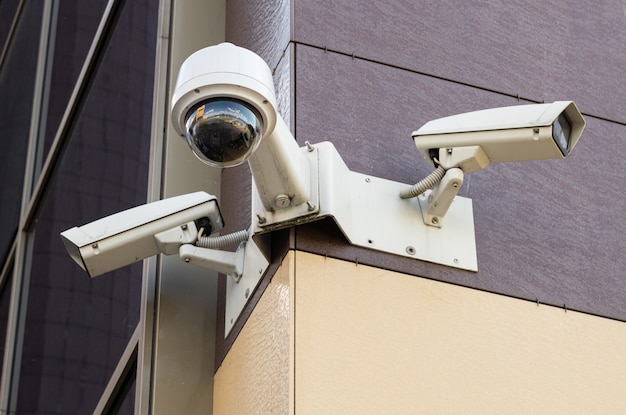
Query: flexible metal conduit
[426, 183]
[224, 240]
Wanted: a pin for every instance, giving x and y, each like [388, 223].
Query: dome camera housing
[223, 132]
[224, 103]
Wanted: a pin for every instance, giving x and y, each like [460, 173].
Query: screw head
[410, 250]
[282, 201]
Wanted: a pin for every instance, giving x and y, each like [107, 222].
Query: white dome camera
[224, 103]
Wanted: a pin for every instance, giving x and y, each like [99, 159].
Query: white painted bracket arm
[245, 266]
[435, 204]
[281, 172]
[370, 213]
[225, 262]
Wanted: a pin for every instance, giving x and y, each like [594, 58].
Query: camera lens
[561, 131]
[223, 132]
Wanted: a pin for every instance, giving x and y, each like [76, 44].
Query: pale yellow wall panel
[370, 341]
[254, 378]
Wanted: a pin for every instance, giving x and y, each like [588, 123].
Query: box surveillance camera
[130, 236]
[517, 133]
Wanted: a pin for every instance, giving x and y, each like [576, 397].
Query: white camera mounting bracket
[435, 203]
[244, 269]
[370, 213]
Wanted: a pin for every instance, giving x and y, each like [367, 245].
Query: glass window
[77, 327]
[16, 89]
[5, 300]
[124, 403]
[7, 13]
[76, 26]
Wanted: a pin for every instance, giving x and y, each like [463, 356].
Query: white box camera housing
[516, 133]
[129, 236]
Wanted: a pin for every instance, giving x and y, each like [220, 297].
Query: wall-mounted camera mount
[370, 213]
[224, 106]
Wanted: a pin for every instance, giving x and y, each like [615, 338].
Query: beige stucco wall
[257, 374]
[370, 341]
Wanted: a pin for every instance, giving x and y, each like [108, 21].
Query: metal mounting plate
[371, 214]
[270, 220]
[238, 293]
[396, 226]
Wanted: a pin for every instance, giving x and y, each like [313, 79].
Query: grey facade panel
[262, 26]
[541, 50]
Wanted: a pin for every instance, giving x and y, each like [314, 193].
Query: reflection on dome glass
[223, 133]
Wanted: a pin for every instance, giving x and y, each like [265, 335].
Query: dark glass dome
[223, 132]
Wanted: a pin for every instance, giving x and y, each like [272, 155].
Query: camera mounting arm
[206, 252]
[225, 262]
[447, 180]
[245, 266]
[434, 204]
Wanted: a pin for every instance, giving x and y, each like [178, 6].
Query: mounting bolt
[367, 180]
[310, 206]
[261, 219]
[434, 221]
[309, 147]
[456, 260]
[282, 201]
[410, 250]
[184, 227]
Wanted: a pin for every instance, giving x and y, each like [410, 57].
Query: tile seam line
[528, 299]
[443, 78]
